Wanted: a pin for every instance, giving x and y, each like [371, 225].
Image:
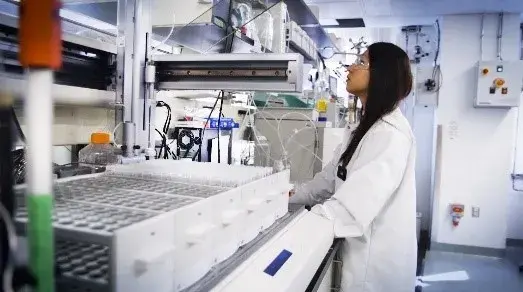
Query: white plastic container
[100, 151]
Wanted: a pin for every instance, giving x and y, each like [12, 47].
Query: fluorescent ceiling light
[328, 22]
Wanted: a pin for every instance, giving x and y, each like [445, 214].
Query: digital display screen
[499, 68]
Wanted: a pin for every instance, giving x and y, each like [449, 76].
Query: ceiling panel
[340, 10]
[438, 7]
[329, 1]
[395, 21]
[376, 7]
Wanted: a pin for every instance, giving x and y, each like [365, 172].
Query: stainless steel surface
[230, 85]
[133, 46]
[239, 58]
[124, 42]
[225, 73]
[259, 72]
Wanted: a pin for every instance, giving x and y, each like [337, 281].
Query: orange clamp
[40, 34]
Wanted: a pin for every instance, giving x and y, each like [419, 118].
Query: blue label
[224, 123]
[277, 263]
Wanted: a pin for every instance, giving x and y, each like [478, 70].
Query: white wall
[74, 125]
[515, 197]
[422, 121]
[476, 144]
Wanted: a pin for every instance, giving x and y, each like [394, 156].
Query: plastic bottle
[100, 151]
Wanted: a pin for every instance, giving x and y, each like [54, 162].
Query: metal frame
[133, 48]
[241, 72]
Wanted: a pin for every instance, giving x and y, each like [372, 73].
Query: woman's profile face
[358, 76]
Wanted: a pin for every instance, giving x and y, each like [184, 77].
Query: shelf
[300, 13]
[211, 38]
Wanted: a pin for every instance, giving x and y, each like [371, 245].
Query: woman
[368, 190]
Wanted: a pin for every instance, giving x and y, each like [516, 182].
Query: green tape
[41, 240]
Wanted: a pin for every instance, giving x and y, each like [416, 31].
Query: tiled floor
[463, 273]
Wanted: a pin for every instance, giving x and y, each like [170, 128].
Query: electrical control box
[499, 84]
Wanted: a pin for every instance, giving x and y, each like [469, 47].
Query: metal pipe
[500, 36]
[136, 69]
[62, 94]
[482, 27]
[128, 137]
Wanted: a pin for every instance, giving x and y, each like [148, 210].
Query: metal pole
[136, 69]
[500, 36]
[132, 47]
[482, 25]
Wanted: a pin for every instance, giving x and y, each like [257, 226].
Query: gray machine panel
[252, 72]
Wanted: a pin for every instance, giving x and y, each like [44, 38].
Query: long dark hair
[390, 82]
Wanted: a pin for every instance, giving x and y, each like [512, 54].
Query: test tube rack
[120, 232]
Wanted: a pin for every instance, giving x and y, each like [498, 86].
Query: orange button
[499, 82]
[484, 71]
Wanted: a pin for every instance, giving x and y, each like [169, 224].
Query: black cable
[168, 119]
[164, 148]
[322, 61]
[219, 127]
[221, 93]
[17, 124]
[438, 44]
[7, 198]
[436, 73]
[159, 154]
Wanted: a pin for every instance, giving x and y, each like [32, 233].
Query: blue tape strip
[277, 263]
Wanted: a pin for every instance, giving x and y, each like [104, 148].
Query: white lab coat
[374, 209]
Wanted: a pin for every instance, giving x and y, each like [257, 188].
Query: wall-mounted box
[499, 84]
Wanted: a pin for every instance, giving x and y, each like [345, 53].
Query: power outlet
[475, 212]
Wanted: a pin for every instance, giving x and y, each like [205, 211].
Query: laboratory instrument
[149, 226]
[193, 217]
